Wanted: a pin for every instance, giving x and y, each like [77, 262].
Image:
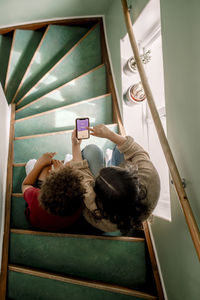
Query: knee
[92, 151]
[92, 148]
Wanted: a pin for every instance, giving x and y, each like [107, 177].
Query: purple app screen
[82, 131]
[82, 124]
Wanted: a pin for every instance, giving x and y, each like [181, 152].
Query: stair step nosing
[62, 107]
[19, 164]
[17, 195]
[83, 236]
[51, 133]
[42, 134]
[77, 281]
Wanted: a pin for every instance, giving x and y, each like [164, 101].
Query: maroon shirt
[40, 218]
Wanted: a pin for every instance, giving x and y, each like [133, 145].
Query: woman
[125, 193]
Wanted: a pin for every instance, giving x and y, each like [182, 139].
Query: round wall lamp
[135, 94]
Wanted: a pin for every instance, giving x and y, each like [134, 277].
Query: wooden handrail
[192, 225]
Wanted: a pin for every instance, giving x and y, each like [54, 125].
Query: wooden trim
[78, 281]
[83, 236]
[30, 64]
[111, 88]
[9, 61]
[19, 164]
[153, 261]
[189, 216]
[58, 62]
[42, 134]
[38, 25]
[61, 108]
[17, 195]
[60, 87]
[51, 133]
[3, 275]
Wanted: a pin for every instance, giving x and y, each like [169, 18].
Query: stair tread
[98, 109]
[18, 176]
[84, 257]
[18, 217]
[24, 283]
[138, 237]
[34, 146]
[24, 45]
[84, 56]
[71, 92]
[20, 222]
[62, 38]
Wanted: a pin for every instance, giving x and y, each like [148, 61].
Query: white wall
[4, 138]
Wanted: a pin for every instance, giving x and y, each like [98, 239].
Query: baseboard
[157, 261]
[50, 20]
[5, 129]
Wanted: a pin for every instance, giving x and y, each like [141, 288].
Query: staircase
[52, 74]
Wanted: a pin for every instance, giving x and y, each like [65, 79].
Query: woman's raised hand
[100, 131]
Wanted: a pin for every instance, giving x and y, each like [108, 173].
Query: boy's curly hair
[62, 192]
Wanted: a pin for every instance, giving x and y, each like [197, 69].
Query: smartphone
[81, 131]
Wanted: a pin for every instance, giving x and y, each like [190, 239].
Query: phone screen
[81, 131]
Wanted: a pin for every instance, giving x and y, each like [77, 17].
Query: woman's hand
[75, 141]
[104, 132]
[100, 131]
[45, 159]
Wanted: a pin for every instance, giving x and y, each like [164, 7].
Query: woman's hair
[62, 192]
[120, 198]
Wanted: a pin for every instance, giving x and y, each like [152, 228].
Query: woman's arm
[104, 132]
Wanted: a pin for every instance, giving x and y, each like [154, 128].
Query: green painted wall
[15, 12]
[181, 48]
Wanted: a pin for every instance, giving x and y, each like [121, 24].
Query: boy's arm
[43, 161]
[76, 149]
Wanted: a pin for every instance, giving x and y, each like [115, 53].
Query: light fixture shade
[135, 94]
[130, 67]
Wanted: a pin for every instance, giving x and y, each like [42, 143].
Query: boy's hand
[100, 131]
[75, 141]
[46, 159]
[57, 164]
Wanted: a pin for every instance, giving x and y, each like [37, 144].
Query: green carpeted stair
[54, 74]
